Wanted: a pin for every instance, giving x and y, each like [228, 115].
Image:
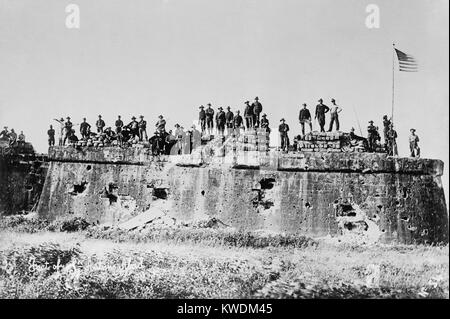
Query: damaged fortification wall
[21, 179]
[315, 194]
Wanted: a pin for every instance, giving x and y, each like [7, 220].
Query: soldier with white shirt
[334, 111]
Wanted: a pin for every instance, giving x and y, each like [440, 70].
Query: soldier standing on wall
[229, 117]
[161, 125]
[12, 137]
[414, 144]
[238, 123]
[257, 109]
[21, 139]
[248, 115]
[334, 111]
[51, 136]
[220, 121]
[372, 136]
[209, 118]
[100, 124]
[386, 128]
[321, 109]
[142, 125]
[68, 130]
[85, 129]
[265, 123]
[4, 134]
[202, 118]
[304, 116]
[391, 141]
[284, 129]
[61, 130]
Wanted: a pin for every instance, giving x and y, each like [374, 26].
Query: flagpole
[393, 81]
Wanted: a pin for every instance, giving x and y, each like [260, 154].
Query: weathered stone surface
[295, 193]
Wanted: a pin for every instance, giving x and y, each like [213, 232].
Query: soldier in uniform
[68, 130]
[238, 123]
[265, 123]
[372, 137]
[257, 109]
[334, 111]
[391, 141]
[51, 136]
[142, 125]
[85, 129]
[386, 128]
[220, 121]
[248, 115]
[229, 117]
[100, 124]
[321, 109]
[61, 130]
[304, 116]
[414, 144]
[202, 119]
[134, 128]
[161, 125]
[283, 128]
[209, 118]
[118, 124]
[12, 137]
[21, 139]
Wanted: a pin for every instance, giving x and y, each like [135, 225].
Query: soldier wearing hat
[202, 119]
[414, 143]
[100, 124]
[265, 123]
[334, 111]
[220, 121]
[321, 109]
[229, 119]
[67, 130]
[386, 127]
[61, 130]
[238, 123]
[283, 129]
[391, 143]
[257, 109]
[142, 125]
[304, 116]
[85, 129]
[248, 115]
[118, 124]
[133, 126]
[51, 136]
[209, 118]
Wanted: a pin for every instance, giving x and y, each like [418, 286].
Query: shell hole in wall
[89, 167]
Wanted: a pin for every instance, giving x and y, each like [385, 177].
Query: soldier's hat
[333, 100]
[177, 125]
[84, 118]
[209, 104]
[99, 115]
[68, 117]
[5, 127]
[160, 116]
[238, 111]
[304, 104]
[413, 130]
[201, 107]
[385, 116]
[62, 119]
[133, 117]
[220, 108]
[282, 120]
[118, 116]
[141, 116]
[256, 98]
[228, 108]
[264, 115]
[246, 102]
[320, 100]
[371, 122]
[352, 129]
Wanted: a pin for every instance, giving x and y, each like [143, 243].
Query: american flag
[407, 63]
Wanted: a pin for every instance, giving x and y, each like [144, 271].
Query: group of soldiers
[12, 137]
[183, 142]
[232, 122]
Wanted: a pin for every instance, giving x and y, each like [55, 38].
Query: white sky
[169, 56]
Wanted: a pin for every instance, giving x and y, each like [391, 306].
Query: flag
[406, 62]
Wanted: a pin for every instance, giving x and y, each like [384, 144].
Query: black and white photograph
[226, 155]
